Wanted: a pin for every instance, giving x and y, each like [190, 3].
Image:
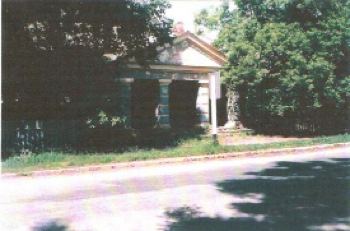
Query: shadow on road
[51, 226]
[291, 196]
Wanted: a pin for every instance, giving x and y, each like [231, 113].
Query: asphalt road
[308, 191]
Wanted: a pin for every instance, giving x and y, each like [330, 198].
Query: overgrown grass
[190, 147]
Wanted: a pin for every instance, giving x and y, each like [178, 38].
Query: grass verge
[189, 147]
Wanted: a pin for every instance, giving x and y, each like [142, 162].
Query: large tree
[54, 52]
[288, 59]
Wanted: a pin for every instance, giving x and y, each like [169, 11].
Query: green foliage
[212, 19]
[103, 119]
[121, 27]
[55, 53]
[288, 58]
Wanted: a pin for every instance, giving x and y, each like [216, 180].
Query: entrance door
[221, 107]
[182, 103]
[144, 100]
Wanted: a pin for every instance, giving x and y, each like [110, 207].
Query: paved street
[294, 192]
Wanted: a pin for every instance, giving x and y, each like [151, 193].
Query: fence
[312, 124]
[32, 136]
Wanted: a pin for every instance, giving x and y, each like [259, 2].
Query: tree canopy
[54, 51]
[287, 58]
[124, 27]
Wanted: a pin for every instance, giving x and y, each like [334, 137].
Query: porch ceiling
[165, 74]
[177, 68]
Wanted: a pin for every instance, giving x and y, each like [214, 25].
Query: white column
[162, 111]
[214, 121]
[202, 103]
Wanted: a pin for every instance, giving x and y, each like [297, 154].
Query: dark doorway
[221, 107]
[182, 103]
[144, 100]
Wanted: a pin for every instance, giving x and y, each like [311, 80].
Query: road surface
[307, 191]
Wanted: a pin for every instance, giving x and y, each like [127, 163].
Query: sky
[185, 10]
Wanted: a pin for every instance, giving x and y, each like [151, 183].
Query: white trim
[168, 67]
[208, 50]
[164, 82]
[205, 47]
[127, 80]
[203, 81]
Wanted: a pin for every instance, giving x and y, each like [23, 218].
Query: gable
[189, 50]
[187, 54]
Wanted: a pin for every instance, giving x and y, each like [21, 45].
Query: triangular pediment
[187, 53]
[189, 50]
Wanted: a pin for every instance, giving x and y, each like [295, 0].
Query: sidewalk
[116, 166]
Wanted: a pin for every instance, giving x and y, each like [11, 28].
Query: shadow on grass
[120, 142]
[294, 196]
[163, 139]
[139, 139]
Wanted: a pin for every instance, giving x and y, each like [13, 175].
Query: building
[174, 91]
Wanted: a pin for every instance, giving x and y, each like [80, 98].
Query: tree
[213, 19]
[289, 60]
[54, 52]
[56, 66]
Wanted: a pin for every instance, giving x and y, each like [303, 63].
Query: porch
[176, 102]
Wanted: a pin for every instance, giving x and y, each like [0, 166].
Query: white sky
[185, 10]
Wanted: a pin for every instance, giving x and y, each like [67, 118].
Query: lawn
[201, 145]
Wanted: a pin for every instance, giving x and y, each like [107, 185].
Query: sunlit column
[202, 103]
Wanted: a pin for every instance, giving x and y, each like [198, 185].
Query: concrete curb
[116, 166]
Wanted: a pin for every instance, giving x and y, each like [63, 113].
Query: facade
[172, 93]
[175, 89]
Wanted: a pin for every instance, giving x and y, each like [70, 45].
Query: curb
[116, 166]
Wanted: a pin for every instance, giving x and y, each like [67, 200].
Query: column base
[164, 126]
[203, 125]
[233, 125]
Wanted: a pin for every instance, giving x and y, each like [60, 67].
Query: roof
[203, 45]
[187, 53]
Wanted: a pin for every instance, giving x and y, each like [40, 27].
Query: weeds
[189, 147]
